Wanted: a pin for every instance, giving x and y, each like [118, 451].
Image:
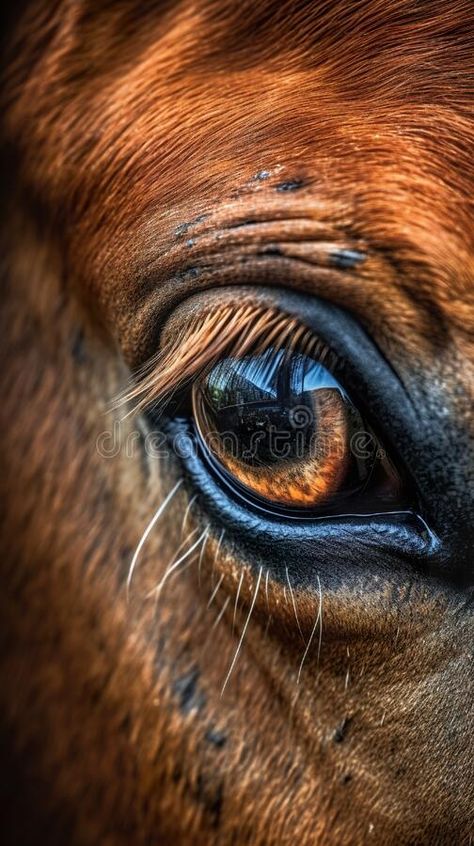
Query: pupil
[261, 409]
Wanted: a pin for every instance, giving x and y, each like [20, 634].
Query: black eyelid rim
[265, 529]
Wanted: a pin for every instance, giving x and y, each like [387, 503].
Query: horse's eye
[282, 431]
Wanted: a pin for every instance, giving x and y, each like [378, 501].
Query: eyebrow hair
[225, 330]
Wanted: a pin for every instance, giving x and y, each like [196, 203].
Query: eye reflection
[281, 428]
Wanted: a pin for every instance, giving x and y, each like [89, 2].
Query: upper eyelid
[228, 329]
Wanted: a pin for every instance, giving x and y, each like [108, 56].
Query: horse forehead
[166, 113]
[157, 105]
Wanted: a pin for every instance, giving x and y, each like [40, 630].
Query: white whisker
[201, 554]
[180, 547]
[176, 564]
[186, 513]
[266, 588]
[318, 620]
[214, 592]
[219, 543]
[218, 547]
[294, 603]
[239, 645]
[172, 576]
[183, 568]
[220, 614]
[147, 531]
[237, 600]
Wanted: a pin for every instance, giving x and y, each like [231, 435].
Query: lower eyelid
[401, 532]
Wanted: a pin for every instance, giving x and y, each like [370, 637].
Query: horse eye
[281, 430]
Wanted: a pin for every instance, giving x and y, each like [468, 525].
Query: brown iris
[281, 428]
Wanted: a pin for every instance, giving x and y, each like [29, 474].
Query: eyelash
[248, 328]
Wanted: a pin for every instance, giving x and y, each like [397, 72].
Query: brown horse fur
[156, 150]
